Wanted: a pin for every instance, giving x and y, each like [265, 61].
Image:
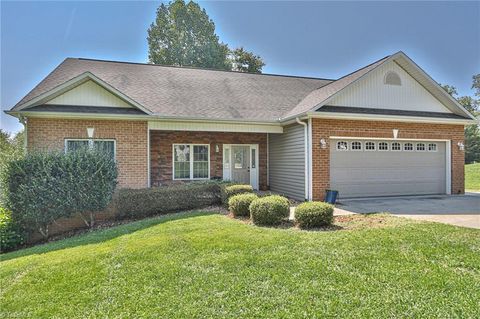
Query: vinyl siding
[287, 162]
[371, 92]
[90, 94]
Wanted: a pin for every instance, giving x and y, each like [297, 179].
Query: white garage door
[386, 168]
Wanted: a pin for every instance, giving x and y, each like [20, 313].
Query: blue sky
[321, 39]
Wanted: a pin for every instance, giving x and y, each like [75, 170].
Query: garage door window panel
[420, 147]
[432, 147]
[396, 146]
[383, 146]
[356, 146]
[342, 146]
[408, 147]
[370, 146]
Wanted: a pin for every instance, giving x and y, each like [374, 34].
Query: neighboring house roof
[190, 92]
[194, 93]
[85, 109]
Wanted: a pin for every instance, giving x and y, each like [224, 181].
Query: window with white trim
[342, 146]
[408, 147]
[383, 146]
[106, 146]
[370, 146]
[396, 146]
[356, 146]
[420, 147]
[191, 161]
[432, 147]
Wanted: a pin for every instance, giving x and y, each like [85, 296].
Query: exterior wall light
[90, 132]
[323, 143]
[461, 146]
[217, 148]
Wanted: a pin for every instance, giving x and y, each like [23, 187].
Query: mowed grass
[204, 265]
[472, 177]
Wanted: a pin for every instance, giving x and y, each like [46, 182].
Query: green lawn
[472, 177]
[204, 265]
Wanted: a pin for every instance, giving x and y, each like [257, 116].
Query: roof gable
[373, 91]
[89, 93]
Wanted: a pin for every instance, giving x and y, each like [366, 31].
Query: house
[385, 129]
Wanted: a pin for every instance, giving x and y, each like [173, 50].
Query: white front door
[240, 163]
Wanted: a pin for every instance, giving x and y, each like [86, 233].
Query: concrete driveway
[460, 210]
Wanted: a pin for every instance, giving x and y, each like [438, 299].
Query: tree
[472, 132]
[245, 61]
[184, 35]
[11, 148]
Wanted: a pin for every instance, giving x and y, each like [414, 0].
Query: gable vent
[392, 78]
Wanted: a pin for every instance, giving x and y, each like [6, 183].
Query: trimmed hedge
[46, 186]
[270, 210]
[11, 235]
[137, 203]
[314, 214]
[239, 204]
[228, 190]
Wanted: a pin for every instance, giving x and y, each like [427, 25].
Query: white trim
[206, 126]
[268, 160]
[448, 152]
[389, 118]
[90, 143]
[72, 83]
[190, 145]
[310, 160]
[149, 182]
[448, 165]
[305, 138]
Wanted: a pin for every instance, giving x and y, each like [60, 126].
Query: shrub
[43, 187]
[11, 235]
[314, 214]
[239, 204]
[137, 203]
[270, 210]
[228, 190]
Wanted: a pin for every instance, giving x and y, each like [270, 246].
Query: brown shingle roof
[191, 92]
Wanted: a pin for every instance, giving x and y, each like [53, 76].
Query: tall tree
[472, 132]
[184, 35]
[245, 61]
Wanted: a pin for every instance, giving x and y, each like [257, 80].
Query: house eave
[389, 118]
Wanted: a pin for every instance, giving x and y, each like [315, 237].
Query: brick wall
[324, 128]
[161, 151]
[130, 136]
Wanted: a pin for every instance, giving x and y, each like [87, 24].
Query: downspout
[307, 178]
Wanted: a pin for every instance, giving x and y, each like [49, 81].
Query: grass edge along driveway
[472, 177]
[197, 265]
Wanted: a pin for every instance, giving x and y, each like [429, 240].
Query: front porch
[178, 156]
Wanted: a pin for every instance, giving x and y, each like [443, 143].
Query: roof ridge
[204, 69]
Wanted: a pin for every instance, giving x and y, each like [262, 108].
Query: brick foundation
[161, 152]
[324, 128]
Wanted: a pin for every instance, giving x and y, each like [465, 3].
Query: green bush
[314, 214]
[270, 210]
[137, 203]
[239, 204]
[43, 187]
[228, 190]
[11, 235]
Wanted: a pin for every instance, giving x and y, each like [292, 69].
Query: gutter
[307, 175]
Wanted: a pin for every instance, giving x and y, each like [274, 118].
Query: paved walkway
[460, 210]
